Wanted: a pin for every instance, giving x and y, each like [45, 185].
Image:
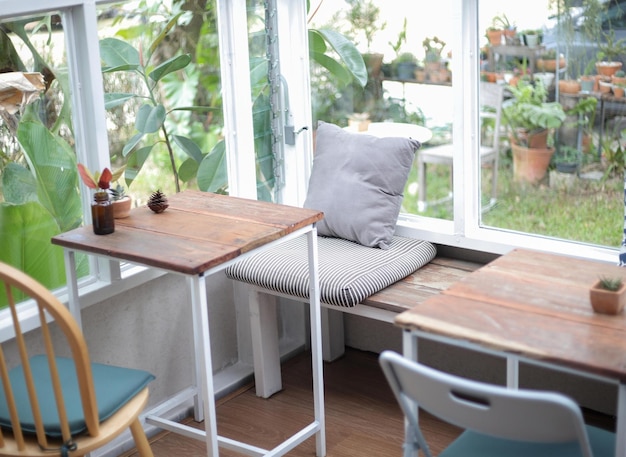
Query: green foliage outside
[590, 211]
[163, 100]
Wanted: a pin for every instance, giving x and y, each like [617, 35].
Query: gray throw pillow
[358, 182]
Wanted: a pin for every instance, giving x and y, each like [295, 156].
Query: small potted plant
[610, 50]
[101, 207]
[608, 295]
[121, 201]
[566, 160]
[531, 120]
[619, 77]
[405, 65]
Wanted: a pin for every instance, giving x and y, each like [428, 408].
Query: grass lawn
[588, 210]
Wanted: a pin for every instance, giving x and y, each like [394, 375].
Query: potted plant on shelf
[397, 47]
[548, 61]
[405, 65]
[608, 295]
[609, 50]
[619, 77]
[532, 38]
[433, 60]
[531, 120]
[508, 29]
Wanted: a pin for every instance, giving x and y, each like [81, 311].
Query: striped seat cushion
[348, 272]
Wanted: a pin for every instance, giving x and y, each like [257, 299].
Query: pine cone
[157, 202]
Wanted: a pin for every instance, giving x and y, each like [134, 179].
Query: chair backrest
[17, 285]
[523, 415]
[491, 96]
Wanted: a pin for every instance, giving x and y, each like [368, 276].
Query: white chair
[497, 421]
[491, 97]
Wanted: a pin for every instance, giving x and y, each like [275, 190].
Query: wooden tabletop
[533, 304]
[199, 230]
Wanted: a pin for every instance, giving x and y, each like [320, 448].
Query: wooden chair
[498, 421]
[53, 405]
[491, 98]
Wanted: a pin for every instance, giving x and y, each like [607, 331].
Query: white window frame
[465, 230]
[89, 124]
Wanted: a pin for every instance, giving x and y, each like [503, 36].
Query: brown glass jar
[102, 214]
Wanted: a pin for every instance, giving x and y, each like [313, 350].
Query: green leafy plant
[611, 48]
[529, 112]
[614, 154]
[501, 21]
[363, 16]
[611, 283]
[150, 122]
[400, 40]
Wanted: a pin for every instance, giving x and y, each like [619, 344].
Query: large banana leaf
[350, 59]
[25, 232]
[53, 165]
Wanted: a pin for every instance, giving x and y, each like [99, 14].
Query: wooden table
[534, 307]
[199, 234]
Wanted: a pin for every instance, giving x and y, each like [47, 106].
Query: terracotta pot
[373, 63]
[530, 165]
[605, 301]
[550, 64]
[618, 91]
[608, 68]
[569, 86]
[605, 87]
[121, 208]
[494, 37]
[618, 79]
[537, 139]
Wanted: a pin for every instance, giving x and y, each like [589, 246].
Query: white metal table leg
[316, 343]
[205, 399]
[72, 285]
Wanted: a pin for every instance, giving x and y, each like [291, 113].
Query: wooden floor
[362, 417]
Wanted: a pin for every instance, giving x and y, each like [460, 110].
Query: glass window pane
[265, 99]
[572, 187]
[164, 109]
[408, 58]
[38, 195]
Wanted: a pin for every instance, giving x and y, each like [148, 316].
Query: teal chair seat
[114, 387]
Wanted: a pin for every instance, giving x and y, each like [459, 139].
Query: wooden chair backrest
[12, 282]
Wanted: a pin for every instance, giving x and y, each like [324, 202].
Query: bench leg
[265, 352]
[265, 348]
[332, 334]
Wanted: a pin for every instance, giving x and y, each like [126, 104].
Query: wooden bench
[431, 279]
